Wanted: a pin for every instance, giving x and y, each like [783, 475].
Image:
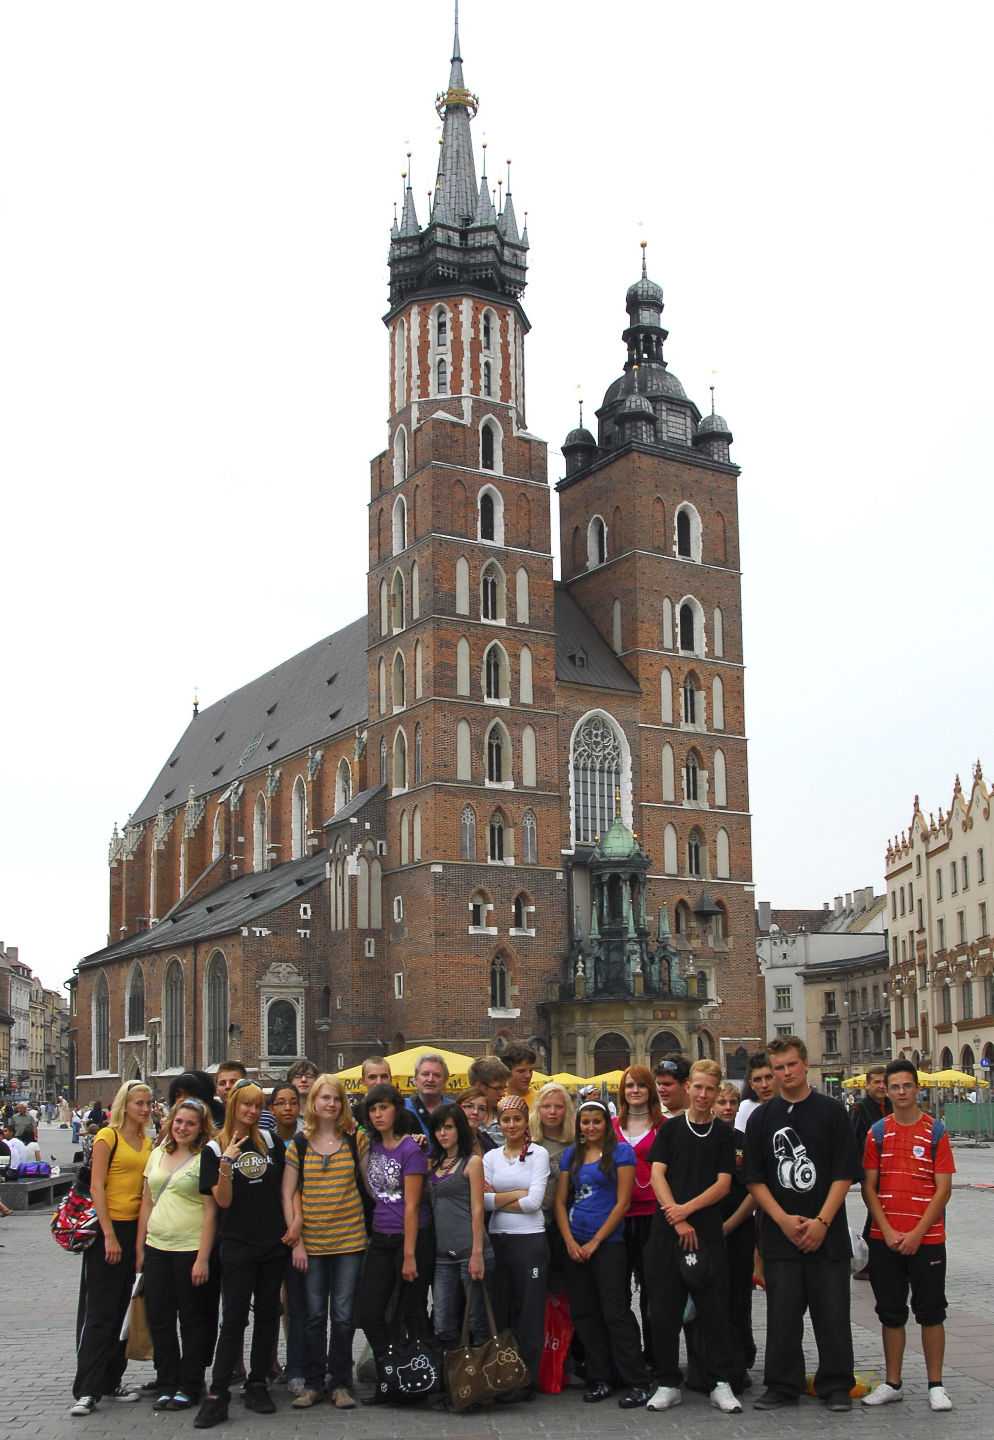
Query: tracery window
[597, 766]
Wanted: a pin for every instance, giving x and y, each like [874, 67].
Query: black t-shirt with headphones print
[798, 1150]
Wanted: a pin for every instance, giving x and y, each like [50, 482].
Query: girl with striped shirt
[324, 1214]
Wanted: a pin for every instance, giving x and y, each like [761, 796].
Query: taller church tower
[461, 656]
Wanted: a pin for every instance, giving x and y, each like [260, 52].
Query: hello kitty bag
[477, 1374]
[411, 1365]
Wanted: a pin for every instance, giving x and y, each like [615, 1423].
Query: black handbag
[477, 1374]
[411, 1365]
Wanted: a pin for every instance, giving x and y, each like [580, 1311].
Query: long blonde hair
[120, 1102]
[551, 1087]
[242, 1090]
[344, 1124]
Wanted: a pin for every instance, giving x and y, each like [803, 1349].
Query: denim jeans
[331, 1282]
[449, 1290]
[296, 1323]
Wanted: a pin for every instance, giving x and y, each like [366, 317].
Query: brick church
[496, 805]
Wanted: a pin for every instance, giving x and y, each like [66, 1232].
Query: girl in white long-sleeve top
[516, 1175]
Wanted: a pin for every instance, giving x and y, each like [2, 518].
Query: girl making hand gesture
[243, 1171]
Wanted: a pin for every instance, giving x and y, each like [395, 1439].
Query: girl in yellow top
[120, 1152]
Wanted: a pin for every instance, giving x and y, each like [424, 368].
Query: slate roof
[357, 803]
[222, 911]
[577, 637]
[316, 694]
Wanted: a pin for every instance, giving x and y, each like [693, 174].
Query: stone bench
[40, 1193]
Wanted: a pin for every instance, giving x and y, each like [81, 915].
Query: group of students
[342, 1220]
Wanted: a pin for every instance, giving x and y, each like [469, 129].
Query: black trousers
[820, 1286]
[518, 1292]
[104, 1296]
[170, 1298]
[740, 1246]
[248, 1280]
[601, 1308]
[638, 1229]
[380, 1277]
[712, 1346]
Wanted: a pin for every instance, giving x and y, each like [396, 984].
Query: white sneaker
[723, 1398]
[665, 1398]
[938, 1398]
[884, 1394]
[85, 1405]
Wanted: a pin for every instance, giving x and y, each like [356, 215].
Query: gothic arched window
[498, 983]
[467, 834]
[298, 834]
[172, 1017]
[136, 1000]
[597, 776]
[496, 836]
[487, 514]
[487, 444]
[529, 838]
[101, 1024]
[216, 1008]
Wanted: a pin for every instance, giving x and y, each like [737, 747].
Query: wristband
[823, 1220]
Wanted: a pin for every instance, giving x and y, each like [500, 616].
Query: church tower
[650, 552]
[461, 664]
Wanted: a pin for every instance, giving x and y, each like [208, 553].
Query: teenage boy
[908, 1163]
[761, 1083]
[873, 1106]
[376, 1071]
[521, 1061]
[692, 1160]
[672, 1074]
[800, 1160]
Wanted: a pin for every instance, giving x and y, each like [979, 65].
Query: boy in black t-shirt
[800, 1160]
[692, 1159]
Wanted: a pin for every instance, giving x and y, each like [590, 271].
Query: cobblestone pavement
[40, 1287]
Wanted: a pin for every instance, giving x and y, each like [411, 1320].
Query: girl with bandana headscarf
[515, 1177]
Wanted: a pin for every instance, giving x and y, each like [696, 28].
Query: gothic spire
[455, 186]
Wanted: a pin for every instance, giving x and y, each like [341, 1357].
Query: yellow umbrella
[570, 1082]
[854, 1082]
[610, 1078]
[954, 1080]
[402, 1069]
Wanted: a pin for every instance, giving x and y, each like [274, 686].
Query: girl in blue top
[596, 1177]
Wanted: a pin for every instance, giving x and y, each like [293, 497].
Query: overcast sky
[195, 201]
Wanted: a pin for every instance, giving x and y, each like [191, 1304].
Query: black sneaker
[258, 1398]
[839, 1400]
[211, 1413]
[773, 1400]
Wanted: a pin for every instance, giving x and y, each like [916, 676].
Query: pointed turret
[455, 184]
[465, 241]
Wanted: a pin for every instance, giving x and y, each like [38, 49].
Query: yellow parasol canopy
[952, 1080]
[610, 1078]
[402, 1069]
[854, 1082]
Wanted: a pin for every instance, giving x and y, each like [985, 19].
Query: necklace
[696, 1133]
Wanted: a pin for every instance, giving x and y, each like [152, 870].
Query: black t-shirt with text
[254, 1219]
[694, 1157]
[798, 1150]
